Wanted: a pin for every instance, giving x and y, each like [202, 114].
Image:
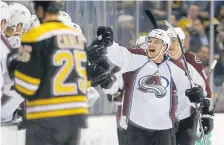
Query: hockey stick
[190, 80]
[152, 18]
[219, 95]
[209, 73]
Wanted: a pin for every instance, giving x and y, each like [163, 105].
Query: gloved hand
[92, 96]
[207, 122]
[105, 34]
[195, 94]
[97, 70]
[14, 41]
[96, 51]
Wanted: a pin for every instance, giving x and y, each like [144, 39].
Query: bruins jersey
[51, 73]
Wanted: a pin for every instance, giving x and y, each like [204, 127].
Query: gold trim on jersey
[35, 34]
[57, 106]
[56, 100]
[24, 90]
[26, 78]
[57, 113]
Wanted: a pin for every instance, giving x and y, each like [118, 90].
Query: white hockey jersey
[11, 105]
[152, 105]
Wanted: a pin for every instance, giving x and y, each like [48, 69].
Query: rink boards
[101, 131]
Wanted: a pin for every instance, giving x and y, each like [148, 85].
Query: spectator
[203, 55]
[221, 16]
[187, 22]
[198, 36]
[220, 37]
[219, 70]
[173, 20]
[126, 30]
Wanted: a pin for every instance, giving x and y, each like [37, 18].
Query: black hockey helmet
[49, 6]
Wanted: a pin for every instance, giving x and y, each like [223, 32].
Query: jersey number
[69, 62]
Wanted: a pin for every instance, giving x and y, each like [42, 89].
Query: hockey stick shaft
[219, 95]
[151, 18]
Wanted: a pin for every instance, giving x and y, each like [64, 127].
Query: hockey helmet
[5, 13]
[19, 15]
[162, 35]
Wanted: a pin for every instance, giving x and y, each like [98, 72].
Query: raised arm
[124, 59]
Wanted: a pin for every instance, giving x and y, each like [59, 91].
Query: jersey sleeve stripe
[56, 100]
[24, 91]
[26, 78]
[26, 85]
[57, 113]
[53, 107]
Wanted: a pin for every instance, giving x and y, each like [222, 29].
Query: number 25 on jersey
[69, 61]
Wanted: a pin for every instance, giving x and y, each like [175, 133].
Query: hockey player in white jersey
[185, 111]
[153, 100]
[118, 90]
[18, 23]
[5, 15]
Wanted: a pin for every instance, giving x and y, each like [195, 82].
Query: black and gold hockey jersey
[51, 73]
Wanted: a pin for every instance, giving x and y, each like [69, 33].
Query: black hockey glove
[207, 122]
[106, 81]
[116, 97]
[106, 33]
[195, 94]
[97, 70]
[96, 51]
[12, 62]
[207, 117]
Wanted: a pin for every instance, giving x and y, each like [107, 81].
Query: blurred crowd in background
[193, 17]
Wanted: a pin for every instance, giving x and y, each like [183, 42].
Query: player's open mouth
[152, 50]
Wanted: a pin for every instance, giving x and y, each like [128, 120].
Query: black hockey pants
[53, 131]
[185, 133]
[139, 136]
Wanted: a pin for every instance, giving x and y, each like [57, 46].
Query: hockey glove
[106, 34]
[97, 70]
[195, 94]
[96, 51]
[92, 96]
[207, 122]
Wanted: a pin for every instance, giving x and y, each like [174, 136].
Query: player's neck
[48, 17]
[159, 59]
[177, 56]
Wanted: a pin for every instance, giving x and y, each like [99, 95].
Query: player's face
[174, 47]
[154, 47]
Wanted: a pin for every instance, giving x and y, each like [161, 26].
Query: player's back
[52, 72]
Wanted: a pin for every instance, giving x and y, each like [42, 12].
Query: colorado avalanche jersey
[151, 105]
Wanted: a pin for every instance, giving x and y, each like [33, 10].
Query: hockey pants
[121, 133]
[185, 133]
[139, 136]
[53, 131]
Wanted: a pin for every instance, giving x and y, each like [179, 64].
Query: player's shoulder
[47, 30]
[192, 57]
[176, 64]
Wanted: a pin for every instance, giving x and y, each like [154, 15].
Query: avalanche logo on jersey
[154, 84]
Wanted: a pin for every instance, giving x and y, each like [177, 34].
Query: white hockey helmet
[179, 32]
[65, 18]
[34, 21]
[19, 15]
[5, 13]
[141, 42]
[162, 35]
[74, 25]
